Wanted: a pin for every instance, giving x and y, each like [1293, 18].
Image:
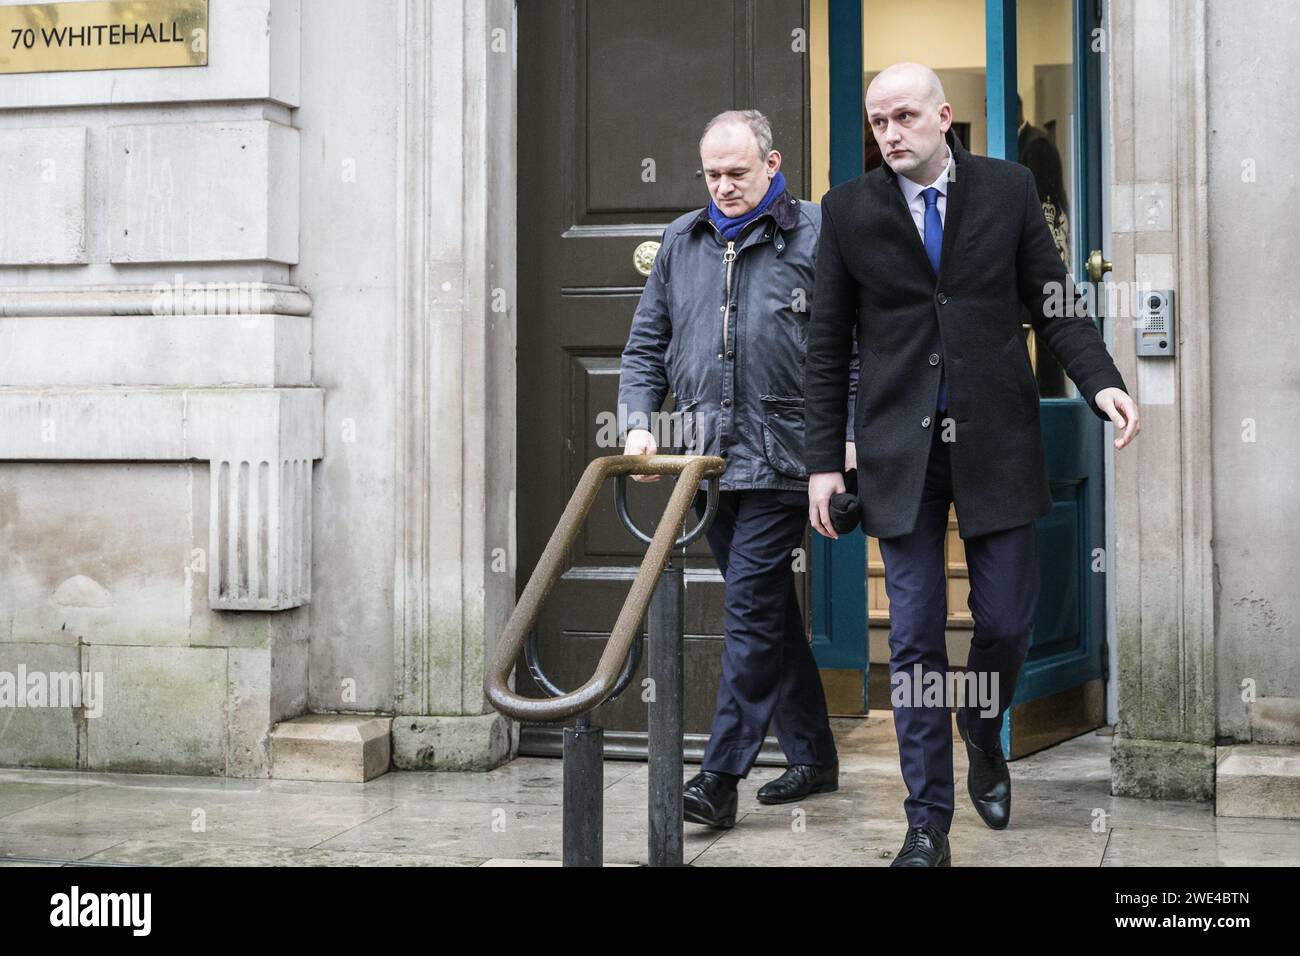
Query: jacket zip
[728, 257]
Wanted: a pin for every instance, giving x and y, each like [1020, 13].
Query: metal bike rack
[658, 585]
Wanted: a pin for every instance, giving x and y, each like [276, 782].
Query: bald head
[909, 116]
[915, 78]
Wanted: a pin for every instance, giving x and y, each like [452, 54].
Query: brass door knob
[1098, 266]
[643, 256]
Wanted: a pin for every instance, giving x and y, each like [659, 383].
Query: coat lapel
[958, 187]
[900, 218]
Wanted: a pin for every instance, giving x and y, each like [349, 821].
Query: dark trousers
[1004, 586]
[768, 670]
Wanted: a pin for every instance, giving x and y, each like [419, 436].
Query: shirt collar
[911, 190]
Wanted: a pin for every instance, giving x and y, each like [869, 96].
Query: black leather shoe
[988, 781]
[710, 798]
[924, 846]
[799, 781]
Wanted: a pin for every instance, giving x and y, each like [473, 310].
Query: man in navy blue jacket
[723, 323]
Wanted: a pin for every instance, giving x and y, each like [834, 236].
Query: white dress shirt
[916, 202]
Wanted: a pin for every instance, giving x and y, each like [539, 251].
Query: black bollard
[667, 610]
[584, 794]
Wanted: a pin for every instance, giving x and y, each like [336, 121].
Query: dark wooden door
[613, 95]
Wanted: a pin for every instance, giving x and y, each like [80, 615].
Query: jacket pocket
[1018, 374]
[866, 396]
[783, 434]
[683, 433]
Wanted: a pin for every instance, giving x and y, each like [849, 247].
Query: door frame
[1106, 237]
[838, 569]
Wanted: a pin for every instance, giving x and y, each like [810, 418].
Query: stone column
[1163, 564]
[455, 382]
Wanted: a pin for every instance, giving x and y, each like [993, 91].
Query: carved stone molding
[259, 442]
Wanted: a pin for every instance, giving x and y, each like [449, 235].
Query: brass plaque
[103, 35]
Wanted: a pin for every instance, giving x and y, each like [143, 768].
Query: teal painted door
[1046, 114]
[839, 568]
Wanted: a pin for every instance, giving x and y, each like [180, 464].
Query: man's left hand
[1122, 411]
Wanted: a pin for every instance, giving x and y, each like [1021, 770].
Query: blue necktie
[933, 245]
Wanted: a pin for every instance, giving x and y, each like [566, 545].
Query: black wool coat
[873, 275]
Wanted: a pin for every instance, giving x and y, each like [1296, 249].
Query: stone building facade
[258, 393]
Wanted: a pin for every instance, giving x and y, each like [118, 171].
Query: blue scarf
[731, 228]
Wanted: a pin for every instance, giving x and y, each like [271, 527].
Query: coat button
[943, 299]
[934, 358]
[731, 354]
[925, 422]
[726, 403]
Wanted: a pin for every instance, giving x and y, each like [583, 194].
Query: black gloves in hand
[845, 511]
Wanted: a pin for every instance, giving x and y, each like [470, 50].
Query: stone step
[351, 748]
[1258, 780]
